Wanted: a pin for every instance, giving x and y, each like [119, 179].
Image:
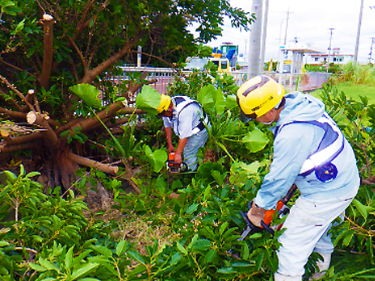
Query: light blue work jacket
[293, 145]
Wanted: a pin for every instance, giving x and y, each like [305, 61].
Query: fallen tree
[82, 42]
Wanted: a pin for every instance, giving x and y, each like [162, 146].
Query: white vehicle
[195, 63]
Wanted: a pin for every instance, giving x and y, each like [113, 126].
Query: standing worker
[188, 120]
[310, 151]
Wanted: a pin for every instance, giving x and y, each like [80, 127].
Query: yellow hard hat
[165, 101]
[258, 95]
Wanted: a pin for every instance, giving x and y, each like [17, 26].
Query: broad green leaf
[364, 210]
[229, 232]
[231, 101]
[192, 208]
[148, 100]
[175, 258]
[141, 268]
[22, 170]
[256, 235]
[11, 176]
[348, 237]
[205, 97]
[4, 243]
[102, 250]
[208, 232]
[136, 256]
[20, 26]
[219, 177]
[241, 172]
[32, 174]
[9, 7]
[207, 192]
[219, 102]
[181, 248]
[245, 252]
[193, 240]
[37, 267]
[242, 264]
[248, 168]
[69, 258]
[211, 254]
[121, 247]
[6, 3]
[80, 258]
[255, 140]
[346, 226]
[84, 270]
[201, 245]
[87, 93]
[227, 270]
[223, 227]
[156, 158]
[45, 263]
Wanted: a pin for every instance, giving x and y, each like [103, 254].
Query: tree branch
[91, 163]
[13, 114]
[88, 124]
[14, 148]
[15, 67]
[41, 120]
[91, 74]
[48, 50]
[73, 43]
[22, 139]
[17, 92]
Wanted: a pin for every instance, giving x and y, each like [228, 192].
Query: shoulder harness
[329, 148]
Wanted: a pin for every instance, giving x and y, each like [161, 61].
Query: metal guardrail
[307, 81]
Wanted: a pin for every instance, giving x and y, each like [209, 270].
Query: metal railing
[306, 81]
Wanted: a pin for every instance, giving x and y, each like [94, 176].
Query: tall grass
[356, 74]
[355, 81]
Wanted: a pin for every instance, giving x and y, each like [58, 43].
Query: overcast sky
[310, 23]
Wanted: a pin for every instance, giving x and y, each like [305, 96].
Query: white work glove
[256, 214]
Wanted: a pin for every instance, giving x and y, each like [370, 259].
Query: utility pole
[370, 54]
[139, 56]
[329, 48]
[286, 25]
[264, 34]
[254, 44]
[283, 52]
[358, 33]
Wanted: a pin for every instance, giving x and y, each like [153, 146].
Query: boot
[280, 277]
[323, 267]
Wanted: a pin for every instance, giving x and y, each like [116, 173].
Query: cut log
[91, 163]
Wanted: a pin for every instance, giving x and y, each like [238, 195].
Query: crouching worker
[187, 119]
[310, 151]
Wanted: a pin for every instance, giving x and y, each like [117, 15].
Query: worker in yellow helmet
[311, 152]
[188, 120]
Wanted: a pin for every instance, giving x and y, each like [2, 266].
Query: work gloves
[255, 214]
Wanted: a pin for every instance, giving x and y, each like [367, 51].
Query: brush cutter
[281, 210]
[174, 167]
